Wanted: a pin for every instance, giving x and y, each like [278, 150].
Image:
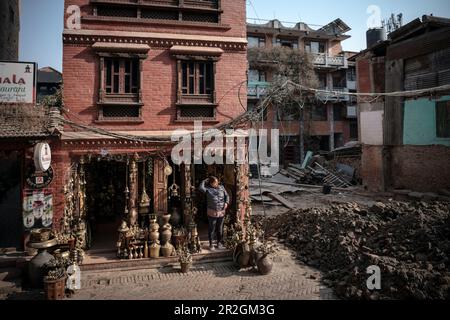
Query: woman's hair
[213, 179]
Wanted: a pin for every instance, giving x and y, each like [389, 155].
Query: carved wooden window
[197, 78]
[121, 76]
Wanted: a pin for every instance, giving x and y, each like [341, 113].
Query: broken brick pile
[409, 242]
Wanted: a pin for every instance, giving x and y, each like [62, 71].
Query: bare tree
[286, 64]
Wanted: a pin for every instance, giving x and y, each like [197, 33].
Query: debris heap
[409, 242]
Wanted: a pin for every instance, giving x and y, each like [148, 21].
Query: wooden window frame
[131, 99]
[185, 96]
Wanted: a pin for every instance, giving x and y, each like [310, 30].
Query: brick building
[333, 118]
[406, 140]
[49, 81]
[9, 29]
[133, 73]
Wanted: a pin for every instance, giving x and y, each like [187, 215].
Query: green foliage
[54, 101]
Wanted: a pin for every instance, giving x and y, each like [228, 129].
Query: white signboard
[17, 82]
[372, 128]
[42, 156]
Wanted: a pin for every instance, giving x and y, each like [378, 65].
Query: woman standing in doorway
[217, 202]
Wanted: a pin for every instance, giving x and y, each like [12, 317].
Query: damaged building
[331, 119]
[406, 138]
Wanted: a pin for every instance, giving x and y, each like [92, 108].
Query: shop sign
[40, 179]
[17, 82]
[42, 156]
[37, 209]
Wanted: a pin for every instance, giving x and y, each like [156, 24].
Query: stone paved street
[288, 281]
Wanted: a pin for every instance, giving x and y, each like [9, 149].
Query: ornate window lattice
[159, 14]
[116, 11]
[196, 112]
[191, 11]
[201, 17]
[121, 112]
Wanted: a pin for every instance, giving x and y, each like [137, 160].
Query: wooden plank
[280, 199]
[394, 106]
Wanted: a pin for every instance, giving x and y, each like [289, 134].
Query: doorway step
[108, 261]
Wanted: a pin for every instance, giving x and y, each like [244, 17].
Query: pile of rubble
[409, 242]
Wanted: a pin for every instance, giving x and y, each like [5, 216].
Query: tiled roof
[25, 122]
[49, 75]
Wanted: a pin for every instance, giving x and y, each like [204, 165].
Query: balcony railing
[257, 90]
[328, 61]
[334, 94]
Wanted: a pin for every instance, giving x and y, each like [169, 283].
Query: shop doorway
[11, 222]
[226, 175]
[105, 199]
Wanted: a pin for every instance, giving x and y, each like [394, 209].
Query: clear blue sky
[42, 20]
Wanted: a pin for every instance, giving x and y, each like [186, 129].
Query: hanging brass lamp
[144, 204]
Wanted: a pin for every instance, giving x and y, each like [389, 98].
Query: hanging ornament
[174, 188]
[145, 199]
[167, 169]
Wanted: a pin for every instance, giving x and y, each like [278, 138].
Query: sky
[42, 20]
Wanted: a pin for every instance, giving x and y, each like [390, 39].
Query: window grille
[200, 17]
[159, 14]
[194, 112]
[113, 11]
[121, 112]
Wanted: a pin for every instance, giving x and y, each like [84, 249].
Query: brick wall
[363, 76]
[81, 81]
[335, 48]
[372, 172]
[421, 168]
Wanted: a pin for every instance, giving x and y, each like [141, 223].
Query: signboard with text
[17, 82]
[37, 208]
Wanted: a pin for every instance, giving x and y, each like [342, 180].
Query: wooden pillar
[133, 215]
[186, 192]
[160, 187]
[102, 79]
[331, 122]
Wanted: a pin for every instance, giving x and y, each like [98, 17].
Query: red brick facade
[81, 72]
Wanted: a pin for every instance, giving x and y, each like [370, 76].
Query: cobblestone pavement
[288, 281]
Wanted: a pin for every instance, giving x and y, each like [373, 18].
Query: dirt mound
[409, 242]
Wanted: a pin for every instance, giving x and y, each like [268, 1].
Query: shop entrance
[11, 223]
[226, 175]
[105, 199]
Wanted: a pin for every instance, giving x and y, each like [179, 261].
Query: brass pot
[166, 235]
[167, 250]
[264, 265]
[165, 219]
[154, 251]
[154, 236]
